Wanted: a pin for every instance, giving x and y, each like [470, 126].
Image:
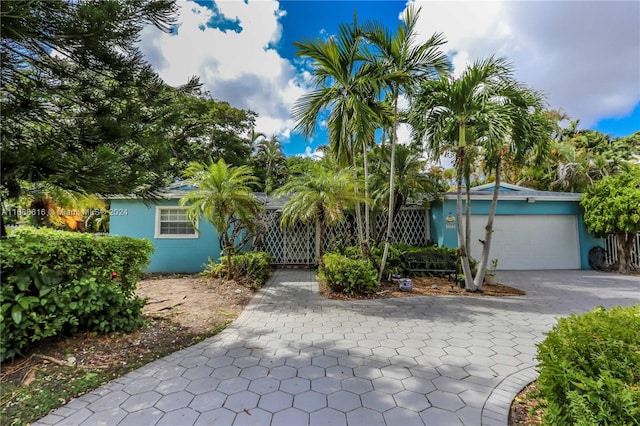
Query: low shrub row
[56, 282]
[590, 368]
[251, 265]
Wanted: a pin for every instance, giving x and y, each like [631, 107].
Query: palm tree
[402, 64]
[412, 180]
[321, 195]
[270, 152]
[344, 87]
[484, 108]
[223, 195]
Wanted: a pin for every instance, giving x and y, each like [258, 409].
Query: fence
[611, 251]
[297, 245]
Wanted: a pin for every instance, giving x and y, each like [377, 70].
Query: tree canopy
[612, 206]
[84, 112]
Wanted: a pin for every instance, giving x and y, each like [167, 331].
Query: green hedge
[57, 282]
[590, 368]
[347, 275]
[252, 265]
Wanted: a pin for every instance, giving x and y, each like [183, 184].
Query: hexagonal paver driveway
[294, 358]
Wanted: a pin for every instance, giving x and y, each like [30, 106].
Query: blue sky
[585, 56]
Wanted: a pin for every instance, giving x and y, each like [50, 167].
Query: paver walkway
[294, 358]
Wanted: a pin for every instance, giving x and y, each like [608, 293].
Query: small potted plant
[490, 275]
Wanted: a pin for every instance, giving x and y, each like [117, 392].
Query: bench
[431, 262]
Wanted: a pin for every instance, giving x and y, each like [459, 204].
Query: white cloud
[312, 153]
[584, 55]
[238, 67]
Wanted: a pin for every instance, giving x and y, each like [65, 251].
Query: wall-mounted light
[531, 200]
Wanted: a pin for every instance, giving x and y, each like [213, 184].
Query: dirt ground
[195, 303]
[181, 311]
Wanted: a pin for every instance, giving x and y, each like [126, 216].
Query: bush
[56, 282]
[395, 262]
[252, 265]
[590, 368]
[395, 258]
[77, 255]
[341, 273]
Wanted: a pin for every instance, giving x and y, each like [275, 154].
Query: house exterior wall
[137, 219]
[447, 235]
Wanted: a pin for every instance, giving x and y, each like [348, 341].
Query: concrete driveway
[294, 358]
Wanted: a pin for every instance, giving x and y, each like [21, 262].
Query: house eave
[520, 197]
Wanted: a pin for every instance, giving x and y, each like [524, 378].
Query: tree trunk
[625, 242]
[367, 219]
[467, 214]
[486, 245]
[3, 229]
[320, 237]
[392, 181]
[361, 241]
[227, 252]
[462, 247]
[41, 216]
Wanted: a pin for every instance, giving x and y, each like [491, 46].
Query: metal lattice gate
[297, 245]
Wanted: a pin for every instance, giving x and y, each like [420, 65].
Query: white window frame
[158, 235]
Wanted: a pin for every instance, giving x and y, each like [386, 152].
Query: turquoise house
[179, 247]
[532, 229]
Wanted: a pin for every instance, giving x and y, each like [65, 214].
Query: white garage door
[530, 242]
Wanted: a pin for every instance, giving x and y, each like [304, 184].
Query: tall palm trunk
[392, 182]
[367, 219]
[361, 240]
[486, 245]
[463, 248]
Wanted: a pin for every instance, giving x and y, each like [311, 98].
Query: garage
[529, 241]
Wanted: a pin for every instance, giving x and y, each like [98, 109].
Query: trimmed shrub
[590, 368]
[341, 273]
[252, 265]
[57, 282]
[77, 255]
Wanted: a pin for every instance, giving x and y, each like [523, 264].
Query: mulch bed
[424, 286]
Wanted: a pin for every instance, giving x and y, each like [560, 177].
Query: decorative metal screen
[411, 226]
[288, 246]
[297, 245]
[339, 235]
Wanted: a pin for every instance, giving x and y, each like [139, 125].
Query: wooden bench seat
[430, 262]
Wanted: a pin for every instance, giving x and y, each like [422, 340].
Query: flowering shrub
[56, 282]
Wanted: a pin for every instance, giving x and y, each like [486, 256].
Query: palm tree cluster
[367, 81]
[363, 76]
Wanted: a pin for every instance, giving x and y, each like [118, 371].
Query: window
[172, 222]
